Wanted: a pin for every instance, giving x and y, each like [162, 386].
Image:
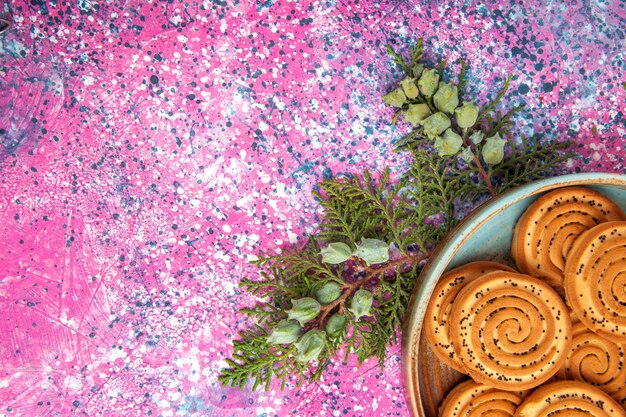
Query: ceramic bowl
[484, 235]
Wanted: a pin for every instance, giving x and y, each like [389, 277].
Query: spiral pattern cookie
[595, 280]
[569, 398]
[436, 318]
[596, 361]
[470, 399]
[513, 330]
[544, 235]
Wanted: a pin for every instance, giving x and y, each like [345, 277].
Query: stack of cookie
[551, 336]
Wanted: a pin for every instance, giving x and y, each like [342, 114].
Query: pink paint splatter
[149, 150]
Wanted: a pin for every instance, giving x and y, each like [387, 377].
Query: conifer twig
[349, 286]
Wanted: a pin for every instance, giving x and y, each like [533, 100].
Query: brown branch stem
[481, 169]
[349, 287]
[486, 177]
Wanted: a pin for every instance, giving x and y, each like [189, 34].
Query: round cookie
[470, 399]
[596, 361]
[511, 331]
[545, 233]
[569, 398]
[595, 280]
[436, 317]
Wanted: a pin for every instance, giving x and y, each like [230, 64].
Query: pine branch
[393, 297]
[436, 185]
[266, 285]
[491, 106]
[344, 288]
[255, 358]
[263, 311]
[416, 56]
[410, 140]
[294, 265]
[462, 79]
[343, 220]
[397, 58]
[416, 52]
[502, 124]
[363, 342]
[442, 66]
[356, 209]
[377, 202]
[531, 161]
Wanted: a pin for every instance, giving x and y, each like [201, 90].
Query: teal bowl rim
[449, 246]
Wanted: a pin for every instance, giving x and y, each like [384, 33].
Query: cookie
[595, 280]
[470, 399]
[569, 398]
[545, 233]
[436, 317]
[513, 330]
[596, 361]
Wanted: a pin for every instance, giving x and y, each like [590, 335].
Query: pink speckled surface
[148, 150]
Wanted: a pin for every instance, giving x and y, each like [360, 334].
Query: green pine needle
[462, 79]
[416, 52]
[483, 116]
[530, 161]
[398, 59]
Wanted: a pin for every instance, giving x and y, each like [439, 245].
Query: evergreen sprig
[346, 290]
[530, 161]
[484, 114]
